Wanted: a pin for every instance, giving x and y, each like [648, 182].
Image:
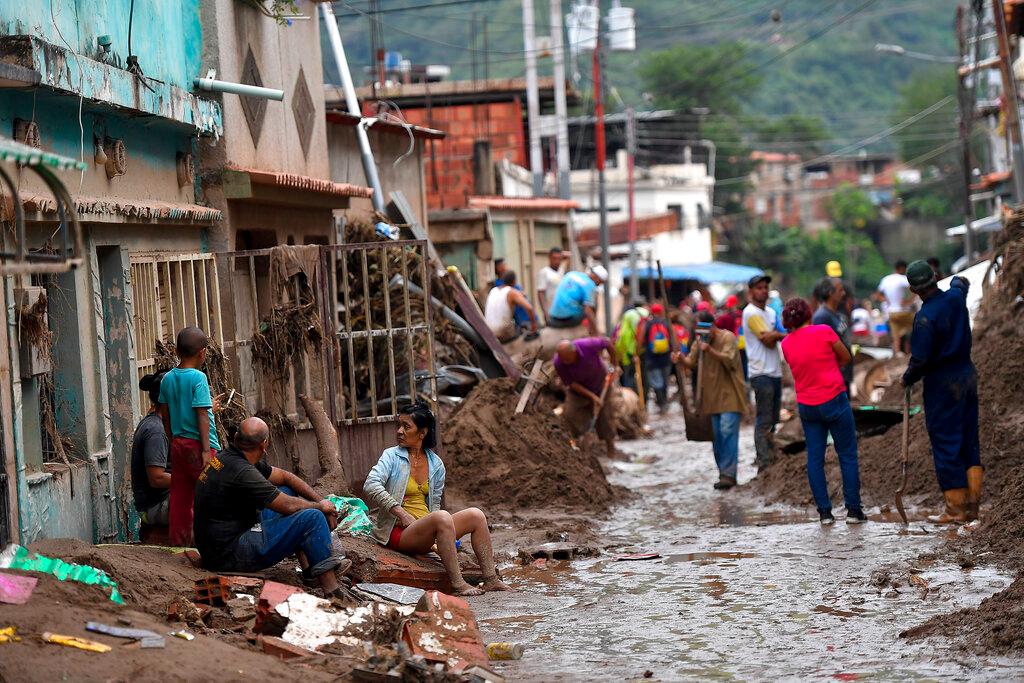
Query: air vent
[117, 157]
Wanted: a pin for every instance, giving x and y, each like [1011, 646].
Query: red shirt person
[814, 354]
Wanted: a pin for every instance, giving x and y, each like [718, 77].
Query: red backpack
[658, 339]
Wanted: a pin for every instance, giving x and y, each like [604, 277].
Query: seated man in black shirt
[245, 522]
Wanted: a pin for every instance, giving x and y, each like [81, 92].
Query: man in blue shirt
[575, 299]
[940, 353]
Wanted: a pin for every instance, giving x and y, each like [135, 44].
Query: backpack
[658, 338]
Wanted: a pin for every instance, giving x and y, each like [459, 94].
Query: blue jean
[657, 380]
[768, 401]
[279, 536]
[726, 443]
[833, 416]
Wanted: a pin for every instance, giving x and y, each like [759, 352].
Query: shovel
[604, 392]
[906, 455]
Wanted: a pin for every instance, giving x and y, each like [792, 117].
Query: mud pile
[496, 458]
[880, 470]
[998, 354]
[997, 624]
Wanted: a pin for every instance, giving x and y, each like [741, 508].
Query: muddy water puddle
[739, 590]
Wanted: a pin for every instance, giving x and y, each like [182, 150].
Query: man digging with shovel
[940, 352]
[588, 388]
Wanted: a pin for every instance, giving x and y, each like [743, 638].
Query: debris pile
[499, 459]
[204, 626]
[385, 270]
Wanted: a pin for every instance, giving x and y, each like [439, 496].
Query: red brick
[281, 649]
[451, 621]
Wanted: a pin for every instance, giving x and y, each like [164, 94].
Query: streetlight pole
[634, 277]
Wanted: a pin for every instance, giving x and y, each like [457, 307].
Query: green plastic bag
[17, 557]
[353, 516]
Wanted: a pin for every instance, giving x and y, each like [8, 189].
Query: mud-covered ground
[740, 590]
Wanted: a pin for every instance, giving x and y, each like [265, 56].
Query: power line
[809, 39]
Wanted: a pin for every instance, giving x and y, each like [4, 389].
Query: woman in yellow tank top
[415, 501]
[406, 486]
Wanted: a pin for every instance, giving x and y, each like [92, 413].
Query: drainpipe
[369, 166]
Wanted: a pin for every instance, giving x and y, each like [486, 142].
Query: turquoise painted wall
[166, 34]
[152, 142]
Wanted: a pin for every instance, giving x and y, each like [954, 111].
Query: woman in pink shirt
[815, 354]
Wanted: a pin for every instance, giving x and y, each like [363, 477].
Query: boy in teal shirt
[187, 410]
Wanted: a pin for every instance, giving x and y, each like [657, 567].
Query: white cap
[599, 272]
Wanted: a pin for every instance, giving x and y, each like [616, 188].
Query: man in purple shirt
[584, 373]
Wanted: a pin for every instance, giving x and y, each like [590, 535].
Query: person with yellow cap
[833, 269]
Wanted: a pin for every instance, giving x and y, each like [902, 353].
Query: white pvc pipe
[213, 85]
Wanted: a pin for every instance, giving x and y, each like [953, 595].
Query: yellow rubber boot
[955, 512]
[975, 477]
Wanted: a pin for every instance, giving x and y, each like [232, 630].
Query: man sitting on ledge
[249, 516]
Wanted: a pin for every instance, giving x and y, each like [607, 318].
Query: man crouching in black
[249, 516]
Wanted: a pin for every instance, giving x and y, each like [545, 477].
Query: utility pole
[634, 278]
[561, 110]
[1010, 95]
[601, 189]
[532, 98]
[562, 116]
[966, 117]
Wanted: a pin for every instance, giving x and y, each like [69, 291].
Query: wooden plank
[471, 312]
[531, 382]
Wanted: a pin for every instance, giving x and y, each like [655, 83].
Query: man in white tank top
[501, 302]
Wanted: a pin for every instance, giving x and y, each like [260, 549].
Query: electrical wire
[806, 41]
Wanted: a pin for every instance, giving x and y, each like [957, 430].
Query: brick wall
[449, 176]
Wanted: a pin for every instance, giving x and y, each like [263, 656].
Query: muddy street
[740, 590]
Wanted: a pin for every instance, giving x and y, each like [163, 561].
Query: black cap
[758, 279]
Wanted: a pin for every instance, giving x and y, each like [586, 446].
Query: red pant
[186, 465]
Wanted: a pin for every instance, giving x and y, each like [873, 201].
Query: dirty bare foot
[466, 589]
[494, 584]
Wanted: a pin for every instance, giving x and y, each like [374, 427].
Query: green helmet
[920, 275]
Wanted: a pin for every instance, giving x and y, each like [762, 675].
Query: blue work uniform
[940, 349]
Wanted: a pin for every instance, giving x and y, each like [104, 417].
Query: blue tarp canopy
[716, 271]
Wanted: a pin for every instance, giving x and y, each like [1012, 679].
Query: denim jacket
[386, 483]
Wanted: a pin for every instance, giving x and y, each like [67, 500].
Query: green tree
[851, 209]
[717, 78]
[931, 132]
[688, 76]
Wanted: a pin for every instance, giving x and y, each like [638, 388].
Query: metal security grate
[173, 291]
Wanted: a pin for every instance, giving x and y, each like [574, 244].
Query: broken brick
[273, 594]
[443, 629]
[281, 649]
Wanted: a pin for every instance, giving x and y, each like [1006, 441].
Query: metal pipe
[213, 85]
[561, 110]
[341, 63]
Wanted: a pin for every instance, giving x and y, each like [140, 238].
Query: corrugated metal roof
[524, 203]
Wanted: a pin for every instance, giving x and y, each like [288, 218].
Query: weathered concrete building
[90, 80]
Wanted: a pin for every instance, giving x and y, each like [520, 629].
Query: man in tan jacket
[722, 394]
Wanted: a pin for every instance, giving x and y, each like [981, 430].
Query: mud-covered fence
[379, 318]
